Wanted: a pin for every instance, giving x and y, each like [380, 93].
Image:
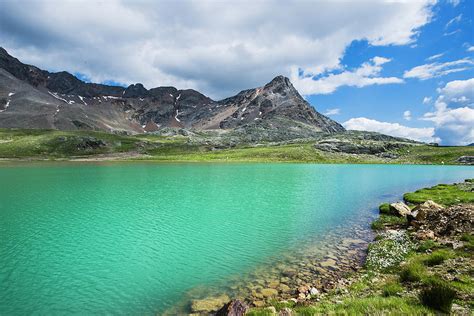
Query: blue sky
[449, 35]
[403, 68]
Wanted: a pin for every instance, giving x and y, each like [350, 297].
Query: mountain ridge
[34, 98]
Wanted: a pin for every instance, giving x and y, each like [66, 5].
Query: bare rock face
[400, 208]
[276, 99]
[40, 99]
[363, 143]
[468, 160]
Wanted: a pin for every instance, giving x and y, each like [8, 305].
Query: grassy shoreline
[403, 274]
[53, 145]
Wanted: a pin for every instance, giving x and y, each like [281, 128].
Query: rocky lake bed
[420, 262]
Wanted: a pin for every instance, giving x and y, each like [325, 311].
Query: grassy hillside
[53, 144]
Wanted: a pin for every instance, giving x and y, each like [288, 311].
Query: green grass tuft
[437, 257]
[438, 295]
[259, 312]
[375, 305]
[391, 289]
[469, 241]
[412, 272]
[387, 220]
[384, 208]
[426, 245]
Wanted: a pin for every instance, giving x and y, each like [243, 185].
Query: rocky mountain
[35, 98]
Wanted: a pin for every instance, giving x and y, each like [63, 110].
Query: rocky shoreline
[291, 277]
[331, 277]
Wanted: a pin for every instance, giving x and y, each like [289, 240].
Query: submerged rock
[210, 304]
[329, 263]
[269, 292]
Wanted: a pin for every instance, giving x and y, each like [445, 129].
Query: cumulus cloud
[453, 113]
[367, 74]
[470, 49]
[216, 47]
[423, 134]
[433, 70]
[407, 115]
[452, 116]
[335, 111]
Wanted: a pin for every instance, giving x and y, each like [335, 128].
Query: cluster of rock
[430, 220]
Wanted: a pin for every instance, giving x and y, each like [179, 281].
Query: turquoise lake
[131, 238]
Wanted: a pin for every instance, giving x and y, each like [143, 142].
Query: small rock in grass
[425, 234]
[285, 312]
[313, 291]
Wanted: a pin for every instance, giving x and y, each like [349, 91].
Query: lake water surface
[132, 238]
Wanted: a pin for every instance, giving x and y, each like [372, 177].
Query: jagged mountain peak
[136, 90]
[279, 81]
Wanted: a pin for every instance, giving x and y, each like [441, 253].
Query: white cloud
[435, 57]
[407, 115]
[423, 134]
[377, 60]
[452, 33]
[454, 20]
[218, 47]
[470, 49]
[432, 70]
[367, 74]
[335, 111]
[454, 3]
[453, 113]
[427, 100]
[457, 89]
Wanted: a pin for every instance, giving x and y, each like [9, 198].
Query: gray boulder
[233, 308]
[400, 208]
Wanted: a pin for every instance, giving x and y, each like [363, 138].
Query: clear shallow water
[132, 238]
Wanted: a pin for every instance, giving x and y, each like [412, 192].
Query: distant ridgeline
[35, 98]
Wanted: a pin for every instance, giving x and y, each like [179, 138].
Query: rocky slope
[35, 98]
